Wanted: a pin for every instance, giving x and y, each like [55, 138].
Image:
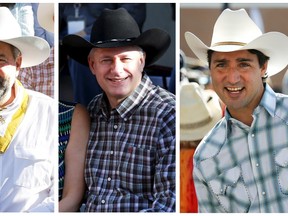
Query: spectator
[41, 77]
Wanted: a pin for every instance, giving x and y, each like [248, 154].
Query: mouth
[116, 80]
[234, 90]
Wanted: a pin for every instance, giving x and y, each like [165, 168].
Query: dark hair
[262, 59]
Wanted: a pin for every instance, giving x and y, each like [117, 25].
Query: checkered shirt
[130, 165]
[40, 77]
[245, 169]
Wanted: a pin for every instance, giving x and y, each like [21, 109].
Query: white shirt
[27, 167]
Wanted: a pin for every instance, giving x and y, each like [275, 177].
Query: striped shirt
[130, 165]
[238, 168]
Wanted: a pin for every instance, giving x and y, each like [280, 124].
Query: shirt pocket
[281, 160]
[231, 191]
[32, 169]
[136, 170]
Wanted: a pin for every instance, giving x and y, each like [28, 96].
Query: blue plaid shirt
[130, 163]
[238, 168]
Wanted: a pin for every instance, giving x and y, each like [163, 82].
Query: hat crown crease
[239, 30]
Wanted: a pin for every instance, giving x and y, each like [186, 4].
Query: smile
[231, 89]
[117, 79]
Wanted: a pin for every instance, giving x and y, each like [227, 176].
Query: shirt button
[115, 126]
[257, 164]
[109, 179]
[111, 152]
[103, 201]
[263, 193]
[252, 135]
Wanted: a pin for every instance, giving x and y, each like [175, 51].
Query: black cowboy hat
[117, 28]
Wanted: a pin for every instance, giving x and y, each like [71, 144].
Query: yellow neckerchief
[15, 121]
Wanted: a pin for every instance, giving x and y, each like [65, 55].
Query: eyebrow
[238, 60]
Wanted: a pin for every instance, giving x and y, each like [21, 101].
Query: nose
[116, 66]
[233, 75]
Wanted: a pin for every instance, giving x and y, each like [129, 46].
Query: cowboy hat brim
[34, 50]
[154, 42]
[45, 16]
[198, 132]
[272, 44]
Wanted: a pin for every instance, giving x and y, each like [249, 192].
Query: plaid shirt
[245, 169]
[130, 163]
[40, 77]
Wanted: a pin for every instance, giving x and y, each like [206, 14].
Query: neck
[243, 116]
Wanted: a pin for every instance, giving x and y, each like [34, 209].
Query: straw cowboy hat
[34, 49]
[235, 30]
[45, 15]
[117, 28]
[200, 110]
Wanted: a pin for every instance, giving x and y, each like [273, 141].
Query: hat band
[196, 125]
[229, 43]
[115, 40]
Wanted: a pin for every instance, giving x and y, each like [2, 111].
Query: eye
[244, 64]
[220, 65]
[105, 61]
[3, 61]
[126, 59]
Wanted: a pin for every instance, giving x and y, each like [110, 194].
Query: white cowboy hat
[235, 30]
[34, 49]
[200, 110]
[45, 15]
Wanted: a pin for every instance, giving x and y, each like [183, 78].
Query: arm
[164, 179]
[207, 202]
[74, 182]
[48, 204]
[25, 18]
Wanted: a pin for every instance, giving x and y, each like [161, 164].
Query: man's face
[237, 79]
[117, 70]
[9, 68]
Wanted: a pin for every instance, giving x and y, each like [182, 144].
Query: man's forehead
[245, 53]
[5, 46]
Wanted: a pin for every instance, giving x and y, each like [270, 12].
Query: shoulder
[80, 124]
[160, 97]
[81, 112]
[40, 98]
[212, 143]
[282, 107]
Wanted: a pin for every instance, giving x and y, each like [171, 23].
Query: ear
[18, 63]
[91, 63]
[264, 69]
[142, 60]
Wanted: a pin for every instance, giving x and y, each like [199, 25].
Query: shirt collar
[127, 107]
[268, 102]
